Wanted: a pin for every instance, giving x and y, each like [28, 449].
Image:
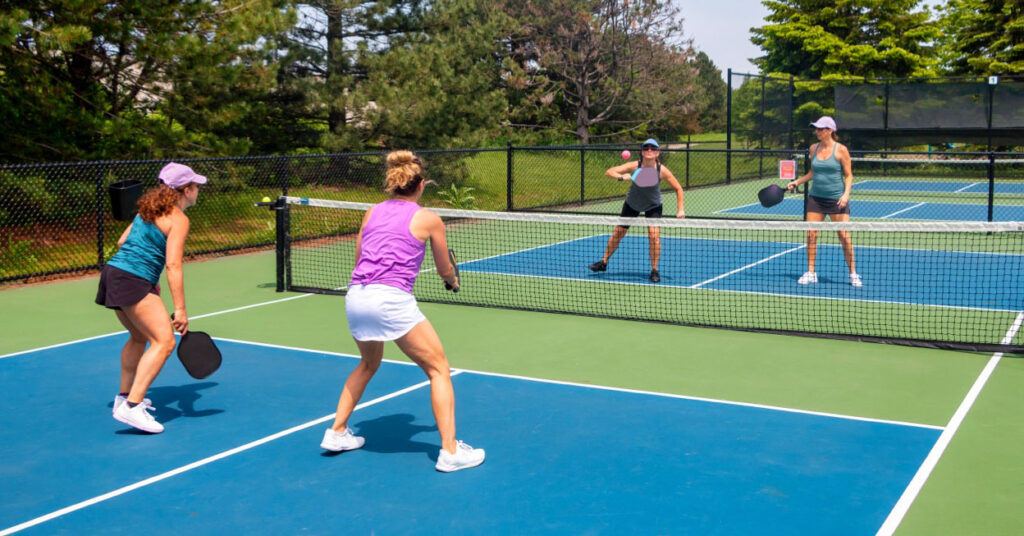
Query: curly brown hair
[158, 201]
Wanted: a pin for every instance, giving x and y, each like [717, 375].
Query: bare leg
[654, 237]
[152, 322]
[130, 353]
[812, 240]
[371, 352]
[846, 241]
[613, 243]
[423, 346]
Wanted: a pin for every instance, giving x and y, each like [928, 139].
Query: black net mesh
[945, 285]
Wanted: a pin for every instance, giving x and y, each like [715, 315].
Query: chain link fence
[56, 219]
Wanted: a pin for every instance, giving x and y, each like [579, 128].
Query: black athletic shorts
[119, 288]
[630, 212]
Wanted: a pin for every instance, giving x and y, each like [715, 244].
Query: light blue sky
[721, 29]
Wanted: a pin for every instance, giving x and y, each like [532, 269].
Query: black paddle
[451, 257]
[198, 353]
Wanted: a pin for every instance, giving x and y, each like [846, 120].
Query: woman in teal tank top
[830, 194]
[128, 285]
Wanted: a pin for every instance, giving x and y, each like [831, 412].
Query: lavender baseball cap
[177, 175]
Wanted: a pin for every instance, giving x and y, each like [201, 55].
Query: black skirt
[119, 288]
[824, 205]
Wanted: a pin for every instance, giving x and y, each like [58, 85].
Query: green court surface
[975, 487]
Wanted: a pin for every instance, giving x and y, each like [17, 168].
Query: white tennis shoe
[808, 278]
[855, 280]
[119, 399]
[465, 457]
[138, 417]
[341, 441]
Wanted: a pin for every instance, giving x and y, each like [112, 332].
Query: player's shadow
[394, 433]
[626, 276]
[173, 401]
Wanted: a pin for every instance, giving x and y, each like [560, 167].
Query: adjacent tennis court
[897, 210]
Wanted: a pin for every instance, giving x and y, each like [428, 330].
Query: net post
[991, 184]
[283, 245]
[508, 179]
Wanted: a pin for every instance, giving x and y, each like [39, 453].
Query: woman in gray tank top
[640, 199]
[830, 194]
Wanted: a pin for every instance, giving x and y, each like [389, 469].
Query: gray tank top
[643, 199]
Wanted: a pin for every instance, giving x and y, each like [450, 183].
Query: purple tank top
[390, 254]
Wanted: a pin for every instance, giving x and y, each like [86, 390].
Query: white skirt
[380, 312]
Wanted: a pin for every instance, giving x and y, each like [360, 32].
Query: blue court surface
[907, 276]
[241, 454]
[974, 187]
[897, 210]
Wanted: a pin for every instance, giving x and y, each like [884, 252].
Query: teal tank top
[828, 176]
[144, 252]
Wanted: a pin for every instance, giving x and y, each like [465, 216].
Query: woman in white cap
[642, 199]
[129, 286]
[830, 194]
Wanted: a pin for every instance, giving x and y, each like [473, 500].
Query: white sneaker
[138, 417]
[855, 280]
[465, 457]
[808, 278]
[341, 441]
[118, 400]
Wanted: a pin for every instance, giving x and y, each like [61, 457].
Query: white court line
[973, 184]
[710, 400]
[902, 211]
[619, 389]
[124, 331]
[751, 265]
[910, 494]
[205, 461]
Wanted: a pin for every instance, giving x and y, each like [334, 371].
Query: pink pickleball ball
[625, 155]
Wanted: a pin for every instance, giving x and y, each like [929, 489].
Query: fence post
[285, 165]
[99, 215]
[687, 160]
[728, 129]
[760, 142]
[508, 180]
[583, 159]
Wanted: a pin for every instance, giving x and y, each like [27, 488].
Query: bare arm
[667, 176]
[810, 174]
[124, 235]
[359, 237]
[843, 155]
[428, 225]
[622, 172]
[175, 277]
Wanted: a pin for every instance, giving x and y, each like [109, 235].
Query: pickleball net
[948, 285]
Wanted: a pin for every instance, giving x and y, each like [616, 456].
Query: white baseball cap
[825, 122]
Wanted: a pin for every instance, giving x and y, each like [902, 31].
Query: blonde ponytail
[405, 172]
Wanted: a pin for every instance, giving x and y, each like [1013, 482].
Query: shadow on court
[173, 401]
[394, 433]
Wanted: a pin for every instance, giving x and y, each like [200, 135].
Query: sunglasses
[649, 148]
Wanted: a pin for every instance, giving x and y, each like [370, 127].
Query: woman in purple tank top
[380, 307]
